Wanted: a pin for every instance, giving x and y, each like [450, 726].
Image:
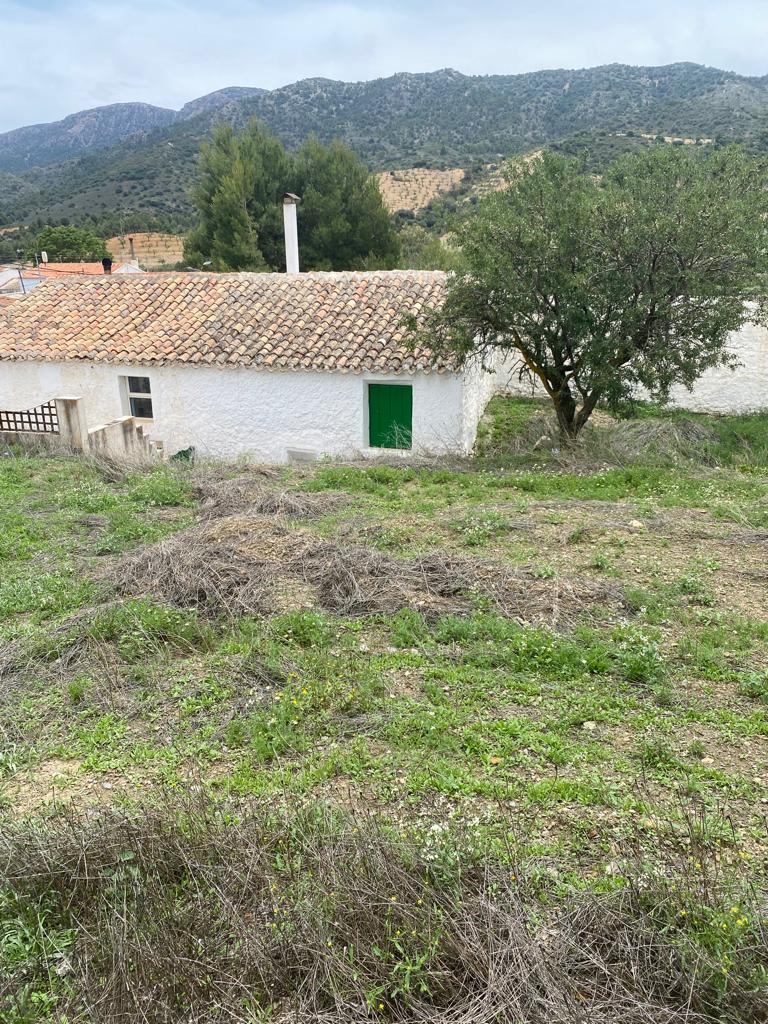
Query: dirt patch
[52, 783]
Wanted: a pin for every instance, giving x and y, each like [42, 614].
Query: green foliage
[420, 249]
[342, 220]
[343, 223]
[140, 628]
[70, 244]
[27, 589]
[32, 947]
[241, 181]
[307, 629]
[160, 488]
[598, 286]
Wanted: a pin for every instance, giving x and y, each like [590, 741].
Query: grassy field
[481, 742]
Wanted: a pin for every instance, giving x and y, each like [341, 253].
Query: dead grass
[606, 441]
[238, 564]
[255, 493]
[221, 494]
[66, 643]
[664, 441]
[321, 918]
[114, 469]
[296, 505]
[225, 568]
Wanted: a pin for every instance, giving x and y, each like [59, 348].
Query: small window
[390, 415]
[140, 397]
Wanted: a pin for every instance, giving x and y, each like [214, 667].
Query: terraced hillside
[152, 249]
[415, 187]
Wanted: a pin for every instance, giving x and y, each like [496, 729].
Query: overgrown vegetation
[596, 287]
[200, 913]
[471, 742]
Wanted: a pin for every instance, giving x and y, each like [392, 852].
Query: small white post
[291, 233]
[73, 428]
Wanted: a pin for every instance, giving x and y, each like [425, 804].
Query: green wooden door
[390, 415]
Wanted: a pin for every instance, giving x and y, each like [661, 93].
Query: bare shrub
[228, 497]
[222, 494]
[206, 913]
[355, 580]
[297, 505]
[200, 568]
[252, 495]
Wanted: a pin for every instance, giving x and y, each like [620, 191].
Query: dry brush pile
[203, 913]
[249, 556]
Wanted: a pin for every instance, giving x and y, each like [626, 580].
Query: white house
[281, 366]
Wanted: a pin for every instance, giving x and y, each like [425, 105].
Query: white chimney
[291, 233]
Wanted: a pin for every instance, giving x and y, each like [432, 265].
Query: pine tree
[343, 223]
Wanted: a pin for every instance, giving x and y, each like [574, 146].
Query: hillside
[414, 188]
[151, 249]
[440, 120]
[84, 132]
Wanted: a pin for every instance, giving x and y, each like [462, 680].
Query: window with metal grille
[139, 397]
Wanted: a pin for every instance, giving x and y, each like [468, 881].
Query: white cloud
[66, 55]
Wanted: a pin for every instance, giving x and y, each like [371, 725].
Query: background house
[278, 365]
[16, 281]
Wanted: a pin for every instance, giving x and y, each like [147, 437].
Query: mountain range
[133, 161]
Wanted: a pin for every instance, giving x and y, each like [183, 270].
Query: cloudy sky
[59, 56]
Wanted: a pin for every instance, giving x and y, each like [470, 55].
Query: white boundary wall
[230, 411]
[743, 389]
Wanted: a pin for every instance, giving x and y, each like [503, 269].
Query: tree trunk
[570, 419]
[565, 409]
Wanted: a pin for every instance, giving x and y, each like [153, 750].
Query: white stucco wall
[743, 389]
[228, 411]
[480, 385]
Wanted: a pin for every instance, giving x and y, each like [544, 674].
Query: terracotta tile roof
[7, 300]
[331, 321]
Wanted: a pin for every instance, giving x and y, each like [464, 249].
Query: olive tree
[597, 286]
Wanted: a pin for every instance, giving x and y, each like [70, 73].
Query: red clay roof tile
[320, 321]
